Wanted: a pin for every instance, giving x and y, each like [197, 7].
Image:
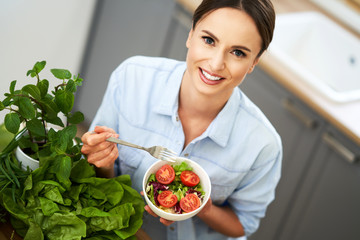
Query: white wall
[36, 30]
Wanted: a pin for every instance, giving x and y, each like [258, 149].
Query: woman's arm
[222, 219]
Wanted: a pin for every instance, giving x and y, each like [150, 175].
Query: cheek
[238, 73]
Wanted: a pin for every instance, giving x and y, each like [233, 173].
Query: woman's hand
[206, 209]
[99, 152]
[162, 220]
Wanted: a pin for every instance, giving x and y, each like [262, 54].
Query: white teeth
[210, 77]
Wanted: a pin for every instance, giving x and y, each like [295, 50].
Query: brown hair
[261, 11]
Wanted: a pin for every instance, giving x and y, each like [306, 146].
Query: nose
[217, 61]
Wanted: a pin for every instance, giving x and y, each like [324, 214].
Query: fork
[158, 152]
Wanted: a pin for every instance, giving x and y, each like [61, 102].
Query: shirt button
[172, 228]
[177, 118]
[186, 154]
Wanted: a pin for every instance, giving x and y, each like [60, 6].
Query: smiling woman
[196, 109]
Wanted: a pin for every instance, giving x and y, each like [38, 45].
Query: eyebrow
[216, 39]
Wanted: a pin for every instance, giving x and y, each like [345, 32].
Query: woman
[197, 110]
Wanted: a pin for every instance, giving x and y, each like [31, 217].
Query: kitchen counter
[344, 116]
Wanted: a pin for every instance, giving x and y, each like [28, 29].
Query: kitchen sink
[321, 53]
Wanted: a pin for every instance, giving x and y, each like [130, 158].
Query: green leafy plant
[62, 199]
[34, 107]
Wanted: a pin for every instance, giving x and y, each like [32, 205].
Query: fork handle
[122, 142]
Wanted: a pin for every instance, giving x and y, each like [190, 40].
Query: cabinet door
[120, 29]
[328, 206]
[299, 129]
[175, 40]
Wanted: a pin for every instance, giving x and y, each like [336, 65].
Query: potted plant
[62, 198]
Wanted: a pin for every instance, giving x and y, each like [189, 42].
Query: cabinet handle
[340, 148]
[290, 106]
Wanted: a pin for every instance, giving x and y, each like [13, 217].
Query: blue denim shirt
[240, 150]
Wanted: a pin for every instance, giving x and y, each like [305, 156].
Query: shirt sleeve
[257, 189]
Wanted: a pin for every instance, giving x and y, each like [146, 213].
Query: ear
[189, 38]
[256, 61]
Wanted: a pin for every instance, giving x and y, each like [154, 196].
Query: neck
[200, 105]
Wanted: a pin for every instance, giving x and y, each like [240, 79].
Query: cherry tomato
[165, 174]
[190, 202]
[167, 199]
[189, 178]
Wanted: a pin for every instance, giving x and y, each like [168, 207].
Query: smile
[209, 78]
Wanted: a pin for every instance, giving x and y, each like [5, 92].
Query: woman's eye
[208, 40]
[239, 53]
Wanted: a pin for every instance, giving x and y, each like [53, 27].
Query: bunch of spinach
[87, 208]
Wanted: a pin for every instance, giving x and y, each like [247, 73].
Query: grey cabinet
[318, 196]
[328, 206]
[120, 29]
[299, 129]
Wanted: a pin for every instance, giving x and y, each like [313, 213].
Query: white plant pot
[25, 160]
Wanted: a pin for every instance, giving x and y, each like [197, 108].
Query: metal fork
[158, 152]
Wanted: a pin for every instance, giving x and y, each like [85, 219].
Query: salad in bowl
[176, 191]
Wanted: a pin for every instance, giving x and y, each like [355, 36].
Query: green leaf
[7, 101]
[51, 109]
[36, 69]
[34, 232]
[48, 207]
[70, 132]
[2, 107]
[12, 86]
[12, 122]
[33, 91]
[64, 100]
[36, 127]
[70, 86]
[61, 73]
[43, 86]
[39, 66]
[75, 118]
[63, 226]
[62, 169]
[56, 121]
[31, 72]
[53, 193]
[26, 109]
[78, 81]
[82, 169]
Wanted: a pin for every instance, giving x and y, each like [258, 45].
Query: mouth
[208, 78]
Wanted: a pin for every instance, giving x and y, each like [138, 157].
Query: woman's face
[222, 49]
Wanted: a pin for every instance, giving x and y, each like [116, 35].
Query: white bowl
[204, 181]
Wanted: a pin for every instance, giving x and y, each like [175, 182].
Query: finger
[91, 138]
[148, 209]
[101, 129]
[104, 158]
[100, 147]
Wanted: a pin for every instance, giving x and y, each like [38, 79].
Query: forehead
[232, 25]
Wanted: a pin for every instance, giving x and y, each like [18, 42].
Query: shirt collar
[168, 104]
[222, 126]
